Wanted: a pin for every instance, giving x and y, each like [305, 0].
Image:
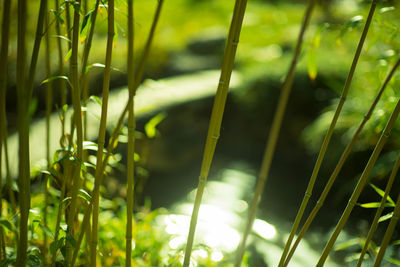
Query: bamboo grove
[67, 29]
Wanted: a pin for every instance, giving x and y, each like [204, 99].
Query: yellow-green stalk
[23, 137]
[340, 164]
[114, 137]
[388, 234]
[378, 213]
[63, 87]
[361, 183]
[274, 133]
[328, 135]
[83, 81]
[76, 102]
[3, 87]
[216, 116]
[131, 138]
[102, 133]
[49, 103]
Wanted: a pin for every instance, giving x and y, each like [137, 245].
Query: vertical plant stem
[328, 135]
[78, 125]
[3, 87]
[5, 30]
[274, 133]
[388, 234]
[114, 137]
[340, 164]
[131, 138]
[378, 213]
[216, 116]
[361, 183]
[49, 103]
[83, 78]
[63, 87]
[23, 137]
[68, 21]
[102, 132]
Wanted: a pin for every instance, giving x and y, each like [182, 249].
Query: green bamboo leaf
[52, 78]
[312, 63]
[95, 99]
[395, 243]
[84, 195]
[6, 224]
[382, 193]
[347, 244]
[386, 217]
[386, 9]
[85, 26]
[372, 205]
[58, 16]
[150, 127]
[61, 37]
[67, 57]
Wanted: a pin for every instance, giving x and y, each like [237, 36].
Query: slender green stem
[378, 213]
[63, 87]
[3, 87]
[114, 137]
[78, 125]
[328, 135]
[83, 78]
[23, 137]
[274, 133]
[216, 116]
[361, 183]
[388, 234]
[102, 132]
[59, 213]
[340, 164]
[131, 138]
[49, 103]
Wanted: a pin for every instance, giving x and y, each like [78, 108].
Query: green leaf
[85, 26]
[70, 239]
[68, 56]
[62, 38]
[95, 99]
[52, 78]
[375, 205]
[386, 9]
[150, 127]
[46, 230]
[395, 243]
[386, 217]
[6, 224]
[347, 244]
[57, 15]
[312, 63]
[84, 195]
[382, 193]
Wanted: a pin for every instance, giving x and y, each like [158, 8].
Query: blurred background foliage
[191, 37]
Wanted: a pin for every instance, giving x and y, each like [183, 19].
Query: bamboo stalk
[63, 87]
[361, 183]
[131, 138]
[83, 78]
[274, 133]
[378, 213]
[113, 140]
[78, 125]
[328, 135]
[388, 234]
[340, 164]
[49, 103]
[23, 137]
[3, 87]
[102, 133]
[216, 116]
